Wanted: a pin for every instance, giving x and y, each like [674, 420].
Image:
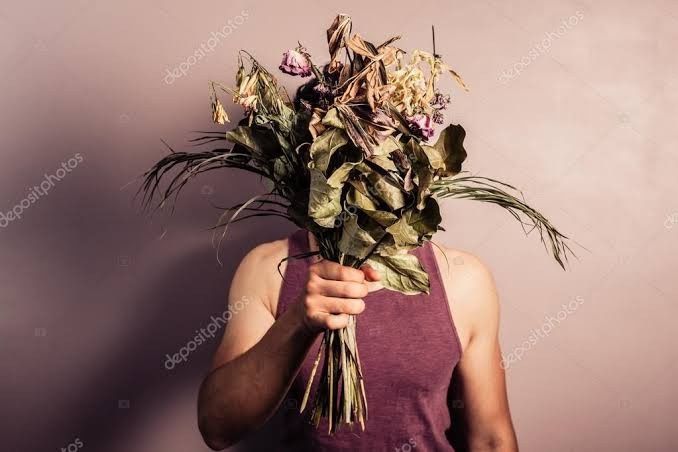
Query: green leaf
[383, 218]
[448, 153]
[355, 241]
[427, 220]
[324, 202]
[401, 272]
[403, 233]
[385, 190]
[340, 175]
[356, 197]
[384, 162]
[332, 119]
[362, 201]
[261, 142]
[325, 145]
[389, 145]
[422, 170]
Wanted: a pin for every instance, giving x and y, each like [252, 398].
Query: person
[412, 349]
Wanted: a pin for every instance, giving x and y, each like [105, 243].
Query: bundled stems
[340, 396]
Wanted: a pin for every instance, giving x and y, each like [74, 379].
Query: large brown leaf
[448, 153]
[324, 202]
[355, 241]
[401, 272]
[325, 145]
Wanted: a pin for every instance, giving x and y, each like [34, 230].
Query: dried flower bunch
[350, 161]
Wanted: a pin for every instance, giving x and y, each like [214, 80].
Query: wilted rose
[422, 124]
[295, 63]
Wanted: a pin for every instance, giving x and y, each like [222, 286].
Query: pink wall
[582, 116]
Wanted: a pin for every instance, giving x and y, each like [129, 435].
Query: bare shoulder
[464, 269]
[470, 289]
[258, 272]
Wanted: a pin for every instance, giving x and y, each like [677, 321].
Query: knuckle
[309, 303]
[343, 273]
[350, 274]
[312, 285]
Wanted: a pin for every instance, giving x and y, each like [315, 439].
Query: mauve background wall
[92, 299]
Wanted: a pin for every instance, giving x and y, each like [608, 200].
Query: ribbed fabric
[408, 348]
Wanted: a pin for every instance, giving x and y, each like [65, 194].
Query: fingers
[337, 272]
[370, 273]
[336, 322]
[333, 305]
[329, 288]
[330, 312]
[334, 292]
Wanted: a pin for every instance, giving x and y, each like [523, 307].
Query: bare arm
[482, 379]
[259, 356]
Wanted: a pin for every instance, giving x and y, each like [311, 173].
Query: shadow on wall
[122, 400]
[183, 300]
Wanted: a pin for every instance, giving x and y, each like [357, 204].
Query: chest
[406, 344]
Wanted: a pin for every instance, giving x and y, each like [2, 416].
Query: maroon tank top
[408, 347]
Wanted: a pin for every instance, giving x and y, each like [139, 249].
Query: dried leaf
[337, 35]
[355, 241]
[262, 142]
[324, 202]
[403, 233]
[332, 119]
[448, 153]
[219, 115]
[325, 145]
[384, 189]
[401, 272]
[358, 199]
[387, 146]
[340, 175]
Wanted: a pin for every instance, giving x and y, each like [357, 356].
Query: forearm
[243, 393]
[499, 439]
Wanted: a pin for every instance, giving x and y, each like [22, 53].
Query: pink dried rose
[295, 63]
[422, 125]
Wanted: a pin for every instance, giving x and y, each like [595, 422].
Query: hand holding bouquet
[350, 160]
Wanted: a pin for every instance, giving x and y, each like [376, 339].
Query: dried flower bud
[440, 101]
[219, 115]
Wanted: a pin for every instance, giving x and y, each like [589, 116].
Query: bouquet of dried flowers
[349, 159]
